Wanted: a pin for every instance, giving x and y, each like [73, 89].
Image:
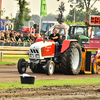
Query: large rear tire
[21, 67]
[71, 59]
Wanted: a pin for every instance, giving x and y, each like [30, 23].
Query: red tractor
[76, 53]
[68, 58]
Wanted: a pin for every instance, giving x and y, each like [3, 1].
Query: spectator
[0, 33]
[37, 29]
[12, 36]
[7, 40]
[28, 38]
[2, 39]
[16, 38]
[18, 34]
[5, 34]
[36, 32]
[32, 38]
[22, 38]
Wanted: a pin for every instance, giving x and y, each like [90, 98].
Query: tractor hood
[83, 37]
[83, 40]
[40, 44]
[41, 50]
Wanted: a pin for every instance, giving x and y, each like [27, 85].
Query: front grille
[34, 51]
[34, 54]
[85, 41]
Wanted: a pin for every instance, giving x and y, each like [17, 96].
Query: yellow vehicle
[92, 50]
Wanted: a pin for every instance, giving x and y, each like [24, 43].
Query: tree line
[23, 16]
[80, 17]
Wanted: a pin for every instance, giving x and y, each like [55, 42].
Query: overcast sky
[11, 6]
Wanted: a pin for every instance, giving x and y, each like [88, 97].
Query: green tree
[80, 14]
[12, 20]
[94, 11]
[88, 4]
[27, 17]
[23, 14]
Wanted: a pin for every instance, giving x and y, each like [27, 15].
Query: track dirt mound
[91, 92]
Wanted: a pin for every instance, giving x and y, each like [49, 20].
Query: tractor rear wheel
[94, 67]
[21, 67]
[71, 59]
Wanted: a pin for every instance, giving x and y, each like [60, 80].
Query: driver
[55, 37]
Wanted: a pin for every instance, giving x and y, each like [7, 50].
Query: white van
[46, 25]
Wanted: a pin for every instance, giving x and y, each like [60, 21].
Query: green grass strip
[15, 57]
[42, 83]
[6, 63]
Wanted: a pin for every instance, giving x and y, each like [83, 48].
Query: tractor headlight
[85, 41]
[37, 55]
[31, 55]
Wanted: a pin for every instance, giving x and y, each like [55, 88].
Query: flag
[43, 10]
[1, 12]
[0, 5]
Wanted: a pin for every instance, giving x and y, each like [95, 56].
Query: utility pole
[74, 5]
[0, 13]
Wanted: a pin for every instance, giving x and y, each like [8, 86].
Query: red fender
[65, 45]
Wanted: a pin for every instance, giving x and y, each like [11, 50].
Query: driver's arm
[55, 37]
[59, 31]
[64, 31]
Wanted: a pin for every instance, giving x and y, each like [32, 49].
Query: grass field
[15, 57]
[11, 60]
[43, 83]
[7, 63]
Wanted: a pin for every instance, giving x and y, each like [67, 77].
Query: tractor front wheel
[21, 66]
[50, 67]
[71, 59]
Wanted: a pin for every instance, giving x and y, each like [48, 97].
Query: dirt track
[10, 73]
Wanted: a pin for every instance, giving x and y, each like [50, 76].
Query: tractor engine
[40, 50]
